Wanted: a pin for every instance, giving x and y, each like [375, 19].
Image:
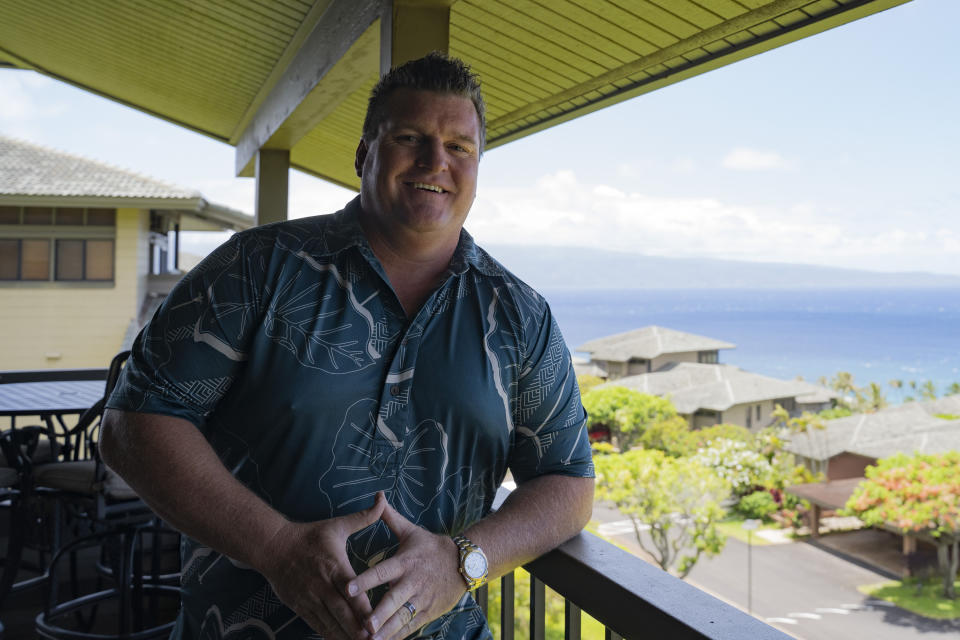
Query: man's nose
[432, 155]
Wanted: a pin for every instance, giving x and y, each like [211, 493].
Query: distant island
[578, 268]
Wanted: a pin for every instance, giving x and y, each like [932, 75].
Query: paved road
[802, 590]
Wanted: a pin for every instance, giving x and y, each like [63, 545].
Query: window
[84, 260]
[67, 244]
[758, 412]
[24, 259]
[707, 357]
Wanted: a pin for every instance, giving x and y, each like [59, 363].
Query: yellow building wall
[77, 325]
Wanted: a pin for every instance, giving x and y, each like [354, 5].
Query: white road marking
[832, 610]
[618, 528]
[809, 616]
[782, 620]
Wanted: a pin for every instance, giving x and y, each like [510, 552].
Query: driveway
[805, 591]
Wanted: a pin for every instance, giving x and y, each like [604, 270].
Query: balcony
[629, 597]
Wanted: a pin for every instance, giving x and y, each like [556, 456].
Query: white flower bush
[737, 463]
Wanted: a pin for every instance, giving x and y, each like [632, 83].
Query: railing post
[481, 595]
[571, 627]
[610, 634]
[506, 606]
[538, 596]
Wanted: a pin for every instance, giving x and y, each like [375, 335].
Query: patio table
[51, 400]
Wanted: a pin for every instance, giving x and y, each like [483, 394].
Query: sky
[842, 149]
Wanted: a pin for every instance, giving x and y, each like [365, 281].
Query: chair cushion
[8, 477]
[80, 477]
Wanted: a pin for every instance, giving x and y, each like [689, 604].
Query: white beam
[341, 24]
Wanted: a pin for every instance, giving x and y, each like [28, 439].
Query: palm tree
[876, 400]
[953, 389]
[928, 391]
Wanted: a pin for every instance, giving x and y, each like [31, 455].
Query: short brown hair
[433, 72]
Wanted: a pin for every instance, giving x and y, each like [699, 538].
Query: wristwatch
[473, 562]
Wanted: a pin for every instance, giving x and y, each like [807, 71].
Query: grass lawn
[732, 527]
[929, 603]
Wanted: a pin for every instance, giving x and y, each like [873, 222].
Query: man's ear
[360, 157]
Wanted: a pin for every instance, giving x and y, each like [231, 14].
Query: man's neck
[414, 263]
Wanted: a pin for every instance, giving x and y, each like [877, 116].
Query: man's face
[420, 173]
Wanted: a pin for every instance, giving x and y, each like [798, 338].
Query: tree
[875, 400]
[737, 463]
[625, 413]
[928, 391]
[919, 493]
[677, 498]
[807, 424]
[953, 389]
[586, 382]
[843, 383]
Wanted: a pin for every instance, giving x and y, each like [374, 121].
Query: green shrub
[759, 505]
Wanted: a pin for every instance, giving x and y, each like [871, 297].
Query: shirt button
[395, 390]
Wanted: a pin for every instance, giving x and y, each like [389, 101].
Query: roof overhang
[296, 75]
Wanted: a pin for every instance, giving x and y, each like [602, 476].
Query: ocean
[877, 335]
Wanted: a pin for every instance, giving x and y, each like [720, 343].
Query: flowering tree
[738, 463]
[626, 413]
[677, 498]
[919, 493]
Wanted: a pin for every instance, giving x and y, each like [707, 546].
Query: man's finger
[395, 520]
[383, 572]
[362, 519]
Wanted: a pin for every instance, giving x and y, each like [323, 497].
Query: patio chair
[105, 522]
[17, 496]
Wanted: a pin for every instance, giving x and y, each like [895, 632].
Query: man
[323, 404]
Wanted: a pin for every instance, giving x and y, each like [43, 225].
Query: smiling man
[326, 406]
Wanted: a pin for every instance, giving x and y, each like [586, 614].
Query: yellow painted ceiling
[209, 64]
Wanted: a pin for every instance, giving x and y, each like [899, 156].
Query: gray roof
[907, 428]
[33, 174]
[648, 343]
[717, 387]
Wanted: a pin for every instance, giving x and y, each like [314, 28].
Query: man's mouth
[427, 187]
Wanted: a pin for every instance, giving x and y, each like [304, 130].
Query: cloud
[19, 90]
[560, 210]
[745, 159]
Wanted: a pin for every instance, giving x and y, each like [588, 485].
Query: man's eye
[459, 148]
[407, 138]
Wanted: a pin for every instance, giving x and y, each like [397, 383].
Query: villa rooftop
[648, 343]
[692, 386]
[908, 428]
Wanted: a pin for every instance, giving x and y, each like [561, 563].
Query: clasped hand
[322, 588]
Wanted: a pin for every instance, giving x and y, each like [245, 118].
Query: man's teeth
[428, 187]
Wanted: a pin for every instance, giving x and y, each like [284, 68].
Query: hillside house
[646, 350]
[84, 254]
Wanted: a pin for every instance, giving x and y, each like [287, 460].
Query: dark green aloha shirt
[291, 353]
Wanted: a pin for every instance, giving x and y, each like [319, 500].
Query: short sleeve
[550, 421]
[186, 358]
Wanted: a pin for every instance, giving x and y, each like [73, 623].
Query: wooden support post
[410, 29]
[909, 544]
[815, 521]
[273, 184]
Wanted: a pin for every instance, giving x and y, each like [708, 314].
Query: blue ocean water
[877, 335]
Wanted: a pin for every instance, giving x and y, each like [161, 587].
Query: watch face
[475, 565]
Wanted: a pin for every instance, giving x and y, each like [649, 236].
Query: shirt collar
[345, 232]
